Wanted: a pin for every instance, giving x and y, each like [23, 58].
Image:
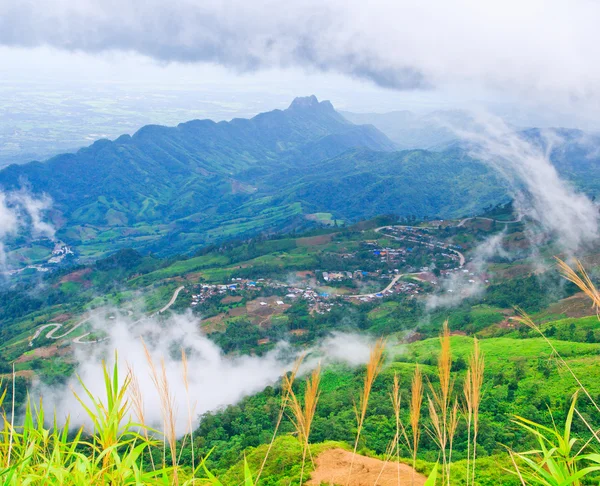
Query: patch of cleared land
[333, 466]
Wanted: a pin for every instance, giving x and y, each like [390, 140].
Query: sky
[536, 57]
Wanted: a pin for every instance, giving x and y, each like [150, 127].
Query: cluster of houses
[318, 302]
[60, 252]
[321, 302]
[207, 291]
[336, 276]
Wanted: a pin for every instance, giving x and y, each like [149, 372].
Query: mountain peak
[309, 102]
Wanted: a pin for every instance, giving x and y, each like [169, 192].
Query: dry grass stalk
[396, 401]
[373, 369]
[440, 404]
[186, 383]
[168, 404]
[436, 435]
[581, 278]
[303, 415]
[287, 383]
[525, 319]
[452, 425]
[416, 400]
[137, 404]
[393, 448]
[468, 412]
[167, 407]
[476, 368]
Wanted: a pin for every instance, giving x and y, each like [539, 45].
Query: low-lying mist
[214, 380]
[20, 211]
[539, 192]
[548, 206]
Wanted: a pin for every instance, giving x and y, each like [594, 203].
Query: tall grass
[303, 414]
[117, 451]
[190, 408]
[108, 454]
[441, 413]
[288, 382]
[416, 400]
[561, 458]
[472, 395]
[374, 366]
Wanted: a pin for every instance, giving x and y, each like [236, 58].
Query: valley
[211, 276]
[378, 277]
[296, 233]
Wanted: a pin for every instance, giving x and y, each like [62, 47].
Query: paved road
[461, 257]
[172, 301]
[462, 223]
[79, 340]
[392, 283]
[56, 326]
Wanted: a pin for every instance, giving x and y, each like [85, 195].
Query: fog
[215, 380]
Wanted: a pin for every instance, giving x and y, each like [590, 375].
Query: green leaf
[432, 476]
[247, 474]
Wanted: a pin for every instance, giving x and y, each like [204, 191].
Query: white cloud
[542, 48]
[215, 379]
[459, 286]
[8, 225]
[22, 212]
[539, 192]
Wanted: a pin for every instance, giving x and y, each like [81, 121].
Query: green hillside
[171, 189]
[249, 295]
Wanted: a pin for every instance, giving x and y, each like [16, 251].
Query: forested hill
[172, 189]
[149, 175]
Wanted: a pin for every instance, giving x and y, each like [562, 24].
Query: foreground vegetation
[116, 449]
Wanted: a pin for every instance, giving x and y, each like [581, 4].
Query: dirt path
[332, 467]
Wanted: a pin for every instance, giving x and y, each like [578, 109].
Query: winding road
[461, 257]
[392, 283]
[462, 222]
[79, 339]
[172, 301]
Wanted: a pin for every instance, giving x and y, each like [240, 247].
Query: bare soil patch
[76, 276]
[237, 312]
[46, 352]
[231, 299]
[314, 240]
[332, 467]
[305, 274]
[213, 324]
[577, 305]
[29, 374]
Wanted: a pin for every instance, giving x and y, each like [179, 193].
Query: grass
[115, 450]
[562, 458]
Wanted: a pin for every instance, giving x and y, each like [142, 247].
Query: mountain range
[171, 189]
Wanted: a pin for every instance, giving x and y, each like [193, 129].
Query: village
[397, 269]
[58, 255]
